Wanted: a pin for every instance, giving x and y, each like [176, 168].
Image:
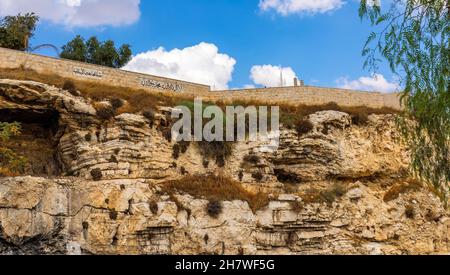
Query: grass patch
[329, 195]
[292, 115]
[402, 187]
[215, 188]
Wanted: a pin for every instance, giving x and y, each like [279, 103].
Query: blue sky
[320, 43]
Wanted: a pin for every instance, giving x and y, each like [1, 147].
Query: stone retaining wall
[11, 59]
[307, 95]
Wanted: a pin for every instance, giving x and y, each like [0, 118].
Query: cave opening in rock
[38, 141]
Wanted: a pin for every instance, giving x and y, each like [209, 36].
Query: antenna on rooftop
[281, 77]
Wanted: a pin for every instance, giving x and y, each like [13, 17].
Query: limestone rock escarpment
[74, 216]
[61, 209]
[128, 146]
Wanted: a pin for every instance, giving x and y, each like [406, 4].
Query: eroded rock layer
[96, 186]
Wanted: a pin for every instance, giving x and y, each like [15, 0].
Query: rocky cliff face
[96, 186]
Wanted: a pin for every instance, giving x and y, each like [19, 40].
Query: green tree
[125, 55]
[413, 36]
[96, 52]
[108, 54]
[10, 163]
[16, 31]
[75, 49]
[93, 50]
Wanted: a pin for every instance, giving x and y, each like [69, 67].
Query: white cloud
[249, 86]
[201, 63]
[270, 76]
[374, 83]
[77, 13]
[286, 7]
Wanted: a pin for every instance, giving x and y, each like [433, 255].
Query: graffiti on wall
[161, 85]
[87, 72]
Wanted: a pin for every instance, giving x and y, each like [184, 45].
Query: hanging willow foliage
[413, 36]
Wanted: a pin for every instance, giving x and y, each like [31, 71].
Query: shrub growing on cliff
[88, 137]
[205, 163]
[410, 211]
[252, 158]
[258, 176]
[96, 174]
[153, 204]
[214, 209]
[303, 127]
[241, 175]
[284, 176]
[70, 86]
[11, 164]
[183, 171]
[360, 118]
[179, 148]
[337, 191]
[149, 114]
[183, 146]
[116, 103]
[218, 150]
[167, 134]
[105, 112]
[9, 129]
[296, 206]
[113, 214]
[176, 151]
